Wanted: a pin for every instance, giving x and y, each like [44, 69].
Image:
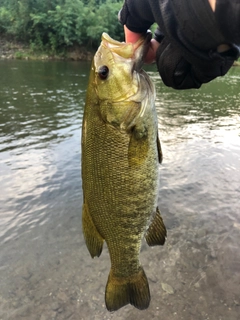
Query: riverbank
[17, 50]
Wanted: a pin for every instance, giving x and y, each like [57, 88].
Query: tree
[53, 24]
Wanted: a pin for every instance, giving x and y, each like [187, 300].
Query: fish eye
[103, 72]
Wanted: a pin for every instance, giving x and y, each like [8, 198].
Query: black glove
[191, 33]
[181, 70]
[187, 56]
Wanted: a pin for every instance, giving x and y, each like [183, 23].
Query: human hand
[132, 37]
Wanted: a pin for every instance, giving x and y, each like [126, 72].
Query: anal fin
[93, 239]
[156, 232]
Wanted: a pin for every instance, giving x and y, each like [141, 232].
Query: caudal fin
[122, 291]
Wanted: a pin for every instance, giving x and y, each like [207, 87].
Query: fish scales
[120, 176]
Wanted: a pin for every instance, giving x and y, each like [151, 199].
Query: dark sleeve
[137, 15]
[227, 14]
[187, 56]
[186, 21]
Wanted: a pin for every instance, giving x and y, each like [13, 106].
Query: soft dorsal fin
[156, 233]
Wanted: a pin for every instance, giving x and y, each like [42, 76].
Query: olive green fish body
[120, 158]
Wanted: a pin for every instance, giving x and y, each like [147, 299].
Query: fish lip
[136, 51]
[106, 38]
[121, 49]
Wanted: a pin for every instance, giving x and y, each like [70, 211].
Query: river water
[46, 271]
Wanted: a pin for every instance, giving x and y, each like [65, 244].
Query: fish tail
[122, 291]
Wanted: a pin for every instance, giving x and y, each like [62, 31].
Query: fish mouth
[136, 51]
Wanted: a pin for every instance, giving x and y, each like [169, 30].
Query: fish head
[116, 67]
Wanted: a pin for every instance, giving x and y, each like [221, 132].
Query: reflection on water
[45, 269]
[41, 108]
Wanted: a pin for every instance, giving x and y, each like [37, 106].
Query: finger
[130, 36]
[151, 55]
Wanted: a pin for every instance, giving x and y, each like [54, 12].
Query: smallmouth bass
[120, 164]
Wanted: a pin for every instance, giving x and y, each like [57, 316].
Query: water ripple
[44, 264]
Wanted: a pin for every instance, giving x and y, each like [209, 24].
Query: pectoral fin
[93, 239]
[156, 233]
[138, 146]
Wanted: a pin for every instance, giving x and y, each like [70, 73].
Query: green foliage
[52, 24]
[5, 18]
[20, 55]
[104, 19]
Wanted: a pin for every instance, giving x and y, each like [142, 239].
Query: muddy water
[45, 270]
